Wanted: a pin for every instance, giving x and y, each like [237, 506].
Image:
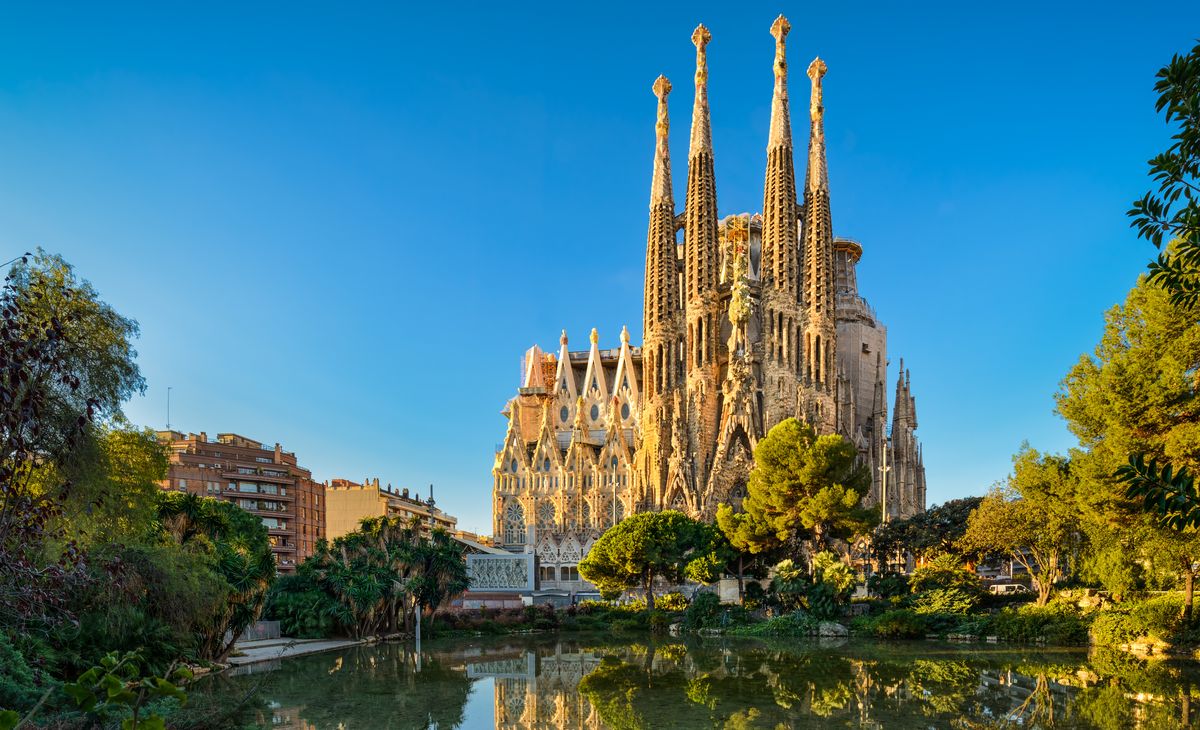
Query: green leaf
[8, 719]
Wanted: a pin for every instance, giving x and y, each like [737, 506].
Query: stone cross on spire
[701, 126]
[660, 187]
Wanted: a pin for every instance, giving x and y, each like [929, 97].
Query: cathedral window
[546, 465]
[587, 515]
[595, 412]
[625, 411]
[564, 414]
[514, 466]
[514, 524]
[545, 515]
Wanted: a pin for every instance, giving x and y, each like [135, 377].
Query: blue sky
[340, 227]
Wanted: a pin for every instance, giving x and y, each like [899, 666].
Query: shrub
[824, 601]
[1055, 624]
[796, 623]
[673, 601]
[888, 585]
[19, 684]
[704, 612]
[898, 624]
[1156, 618]
[945, 600]
[659, 621]
[753, 596]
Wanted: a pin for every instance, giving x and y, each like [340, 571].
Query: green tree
[1172, 213]
[926, 535]
[374, 578]
[66, 362]
[1136, 395]
[1032, 519]
[803, 488]
[644, 547]
[238, 548]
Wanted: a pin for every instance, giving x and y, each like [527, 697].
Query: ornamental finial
[562, 339]
[624, 335]
[662, 87]
[700, 39]
[816, 70]
[779, 29]
[595, 337]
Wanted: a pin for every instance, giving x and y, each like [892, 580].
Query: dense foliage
[804, 491]
[645, 547]
[371, 581]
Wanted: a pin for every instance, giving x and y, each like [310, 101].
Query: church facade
[747, 320]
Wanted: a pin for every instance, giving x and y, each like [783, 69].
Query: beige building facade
[348, 503]
[748, 320]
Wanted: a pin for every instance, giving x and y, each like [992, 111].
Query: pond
[581, 681]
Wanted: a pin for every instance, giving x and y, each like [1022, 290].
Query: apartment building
[348, 503]
[266, 481]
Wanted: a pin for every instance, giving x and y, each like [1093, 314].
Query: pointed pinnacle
[779, 29]
[662, 87]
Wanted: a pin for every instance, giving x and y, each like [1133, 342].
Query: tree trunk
[741, 587]
[1189, 586]
[650, 591]
[1043, 588]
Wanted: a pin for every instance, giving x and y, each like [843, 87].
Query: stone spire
[662, 302]
[780, 267]
[779, 239]
[700, 227]
[663, 312]
[820, 315]
[703, 311]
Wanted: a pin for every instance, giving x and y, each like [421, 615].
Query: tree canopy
[1032, 519]
[804, 488]
[650, 545]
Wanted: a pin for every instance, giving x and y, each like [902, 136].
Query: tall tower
[820, 317]
[662, 316]
[701, 262]
[780, 270]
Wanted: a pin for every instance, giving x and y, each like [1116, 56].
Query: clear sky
[340, 227]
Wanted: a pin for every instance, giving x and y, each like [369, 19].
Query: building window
[569, 572]
[625, 411]
[563, 414]
[595, 412]
[514, 524]
[183, 484]
[547, 572]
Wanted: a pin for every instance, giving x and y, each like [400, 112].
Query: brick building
[264, 480]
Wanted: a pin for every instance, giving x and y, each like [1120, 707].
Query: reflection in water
[579, 682]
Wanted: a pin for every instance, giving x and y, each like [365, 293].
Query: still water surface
[606, 682]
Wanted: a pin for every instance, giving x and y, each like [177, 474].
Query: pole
[418, 610]
[883, 471]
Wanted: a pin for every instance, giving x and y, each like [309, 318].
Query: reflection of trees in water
[577, 683]
[756, 686]
[376, 687]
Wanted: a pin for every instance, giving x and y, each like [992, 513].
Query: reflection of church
[534, 692]
[748, 320]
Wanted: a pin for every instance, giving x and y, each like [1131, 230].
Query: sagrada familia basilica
[748, 320]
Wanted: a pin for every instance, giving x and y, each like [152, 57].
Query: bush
[1157, 618]
[1054, 624]
[796, 623]
[945, 600]
[673, 601]
[888, 585]
[20, 687]
[704, 612]
[898, 624]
